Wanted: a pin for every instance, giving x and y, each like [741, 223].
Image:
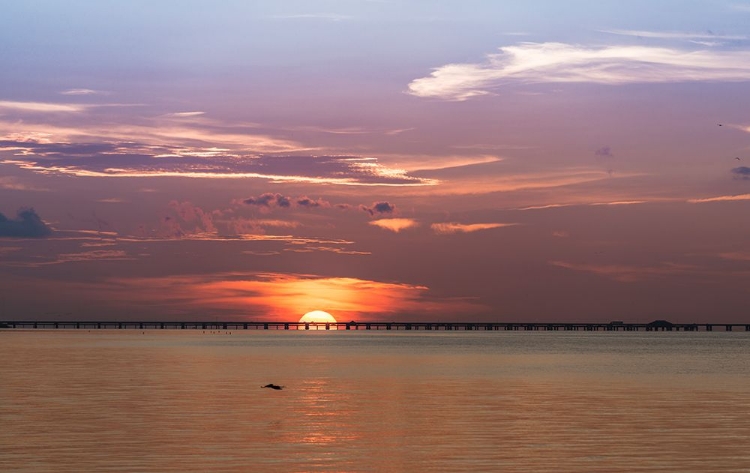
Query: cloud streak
[561, 62]
[13, 183]
[315, 16]
[628, 273]
[721, 198]
[675, 35]
[449, 228]
[735, 256]
[586, 204]
[43, 107]
[83, 92]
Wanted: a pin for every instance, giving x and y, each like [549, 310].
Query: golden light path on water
[185, 400]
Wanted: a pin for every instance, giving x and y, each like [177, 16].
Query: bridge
[657, 325]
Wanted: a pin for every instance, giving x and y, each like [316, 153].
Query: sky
[381, 160]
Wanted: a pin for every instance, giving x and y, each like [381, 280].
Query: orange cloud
[452, 227]
[291, 296]
[276, 297]
[395, 224]
[272, 296]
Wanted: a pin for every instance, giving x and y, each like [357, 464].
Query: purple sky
[378, 160]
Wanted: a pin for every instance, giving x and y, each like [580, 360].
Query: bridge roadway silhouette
[658, 325]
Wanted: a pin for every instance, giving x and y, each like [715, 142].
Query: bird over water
[273, 386]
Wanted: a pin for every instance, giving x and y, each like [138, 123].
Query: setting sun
[318, 316]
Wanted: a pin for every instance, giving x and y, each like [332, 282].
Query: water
[368, 401]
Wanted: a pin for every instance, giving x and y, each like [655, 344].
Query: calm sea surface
[374, 401]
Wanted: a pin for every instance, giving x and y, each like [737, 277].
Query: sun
[318, 316]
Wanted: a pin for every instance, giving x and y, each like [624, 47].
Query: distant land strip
[657, 325]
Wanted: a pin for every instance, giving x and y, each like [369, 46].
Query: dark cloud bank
[127, 158]
[379, 208]
[270, 199]
[742, 172]
[27, 224]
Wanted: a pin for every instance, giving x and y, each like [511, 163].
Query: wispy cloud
[242, 225]
[677, 35]
[721, 198]
[437, 163]
[628, 273]
[329, 249]
[13, 183]
[491, 181]
[93, 255]
[395, 224]
[48, 259]
[560, 62]
[620, 202]
[169, 136]
[98, 244]
[186, 221]
[83, 92]
[449, 228]
[112, 200]
[578, 204]
[185, 114]
[315, 16]
[43, 107]
[736, 256]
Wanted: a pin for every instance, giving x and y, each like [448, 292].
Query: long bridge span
[659, 325]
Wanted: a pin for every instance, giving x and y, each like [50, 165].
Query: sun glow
[320, 317]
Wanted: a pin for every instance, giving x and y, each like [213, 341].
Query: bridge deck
[444, 326]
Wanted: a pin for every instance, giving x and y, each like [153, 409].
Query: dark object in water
[273, 386]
